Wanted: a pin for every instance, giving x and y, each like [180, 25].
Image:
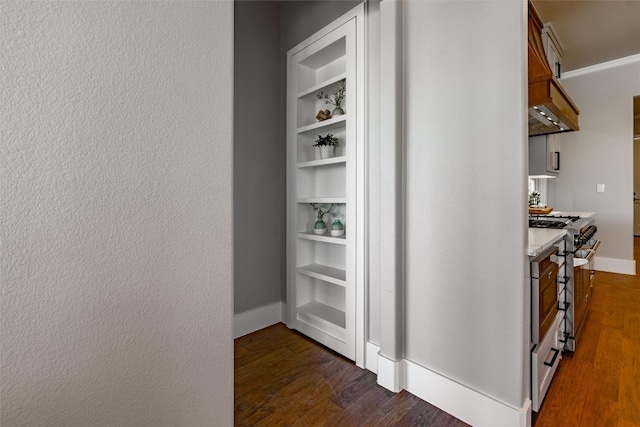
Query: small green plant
[328, 140]
[534, 198]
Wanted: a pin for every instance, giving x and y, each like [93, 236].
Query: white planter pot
[326, 151]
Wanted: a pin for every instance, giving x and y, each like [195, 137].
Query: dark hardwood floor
[284, 379]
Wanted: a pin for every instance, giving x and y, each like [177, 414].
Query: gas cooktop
[551, 221]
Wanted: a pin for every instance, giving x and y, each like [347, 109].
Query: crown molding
[600, 67]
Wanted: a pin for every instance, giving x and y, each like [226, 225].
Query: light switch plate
[599, 188]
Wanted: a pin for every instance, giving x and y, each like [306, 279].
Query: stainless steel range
[575, 281]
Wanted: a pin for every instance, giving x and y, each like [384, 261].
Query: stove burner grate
[551, 221]
[546, 223]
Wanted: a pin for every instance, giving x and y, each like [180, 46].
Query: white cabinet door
[544, 155]
[553, 50]
[553, 153]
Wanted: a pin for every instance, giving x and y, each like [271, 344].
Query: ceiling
[592, 31]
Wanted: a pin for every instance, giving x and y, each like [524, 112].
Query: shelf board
[326, 238]
[334, 122]
[322, 162]
[334, 200]
[315, 88]
[323, 313]
[325, 54]
[325, 273]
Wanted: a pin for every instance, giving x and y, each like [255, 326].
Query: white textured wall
[466, 293]
[116, 250]
[602, 153]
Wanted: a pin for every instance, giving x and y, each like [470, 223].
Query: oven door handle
[556, 352]
[592, 255]
[590, 250]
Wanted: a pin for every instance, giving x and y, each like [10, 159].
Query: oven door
[545, 303]
[545, 358]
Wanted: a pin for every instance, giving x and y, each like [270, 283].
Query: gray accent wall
[259, 157]
[300, 19]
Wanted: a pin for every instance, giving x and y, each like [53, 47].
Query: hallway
[282, 378]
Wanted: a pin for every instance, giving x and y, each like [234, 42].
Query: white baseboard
[259, 318]
[462, 402]
[613, 265]
[371, 357]
[458, 400]
[391, 374]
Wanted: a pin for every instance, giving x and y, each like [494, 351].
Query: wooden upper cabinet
[539, 69]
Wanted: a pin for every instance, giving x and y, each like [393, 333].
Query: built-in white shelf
[324, 272]
[322, 162]
[312, 90]
[326, 238]
[323, 313]
[325, 125]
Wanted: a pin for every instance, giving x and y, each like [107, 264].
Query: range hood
[550, 108]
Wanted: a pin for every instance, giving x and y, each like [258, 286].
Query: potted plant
[320, 227]
[534, 198]
[325, 146]
[336, 98]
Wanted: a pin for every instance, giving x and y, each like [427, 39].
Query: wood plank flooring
[599, 385]
[284, 379]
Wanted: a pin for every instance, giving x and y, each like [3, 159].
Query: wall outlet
[599, 188]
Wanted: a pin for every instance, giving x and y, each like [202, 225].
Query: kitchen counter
[571, 213]
[541, 239]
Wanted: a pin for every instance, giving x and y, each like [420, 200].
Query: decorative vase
[318, 152]
[337, 229]
[320, 227]
[338, 111]
[326, 151]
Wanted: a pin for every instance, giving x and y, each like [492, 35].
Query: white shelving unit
[325, 274]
